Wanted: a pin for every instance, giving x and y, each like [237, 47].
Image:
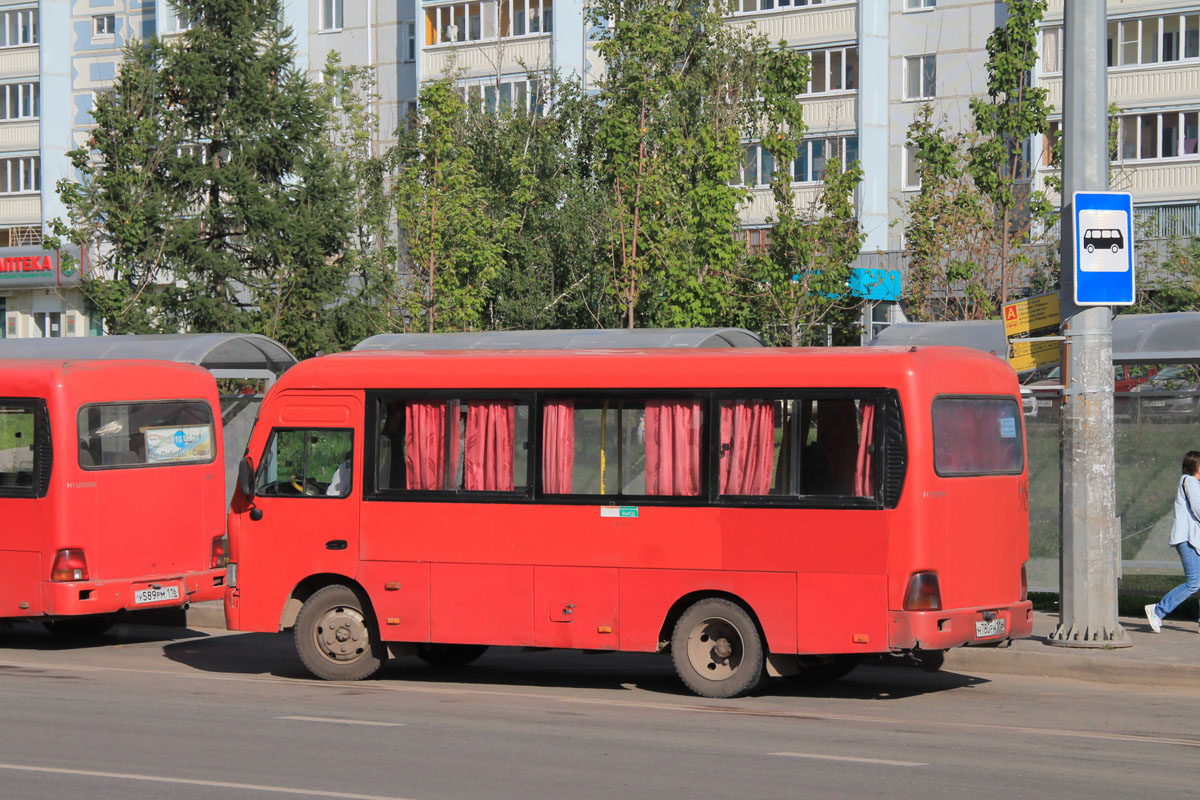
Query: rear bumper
[74, 598]
[941, 630]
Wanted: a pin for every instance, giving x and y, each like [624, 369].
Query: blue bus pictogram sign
[1104, 273]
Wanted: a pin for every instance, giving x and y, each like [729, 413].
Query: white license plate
[1156, 403]
[984, 629]
[158, 595]
[1045, 403]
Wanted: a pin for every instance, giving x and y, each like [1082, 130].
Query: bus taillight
[69, 565]
[218, 552]
[923, 593]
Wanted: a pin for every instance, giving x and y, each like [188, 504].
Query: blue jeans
[1190, 585]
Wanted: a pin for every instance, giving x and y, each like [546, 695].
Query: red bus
[750, 511]
[111, 488]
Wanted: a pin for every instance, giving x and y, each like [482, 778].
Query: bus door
[26, 511]
[306, 485]
[151, 479]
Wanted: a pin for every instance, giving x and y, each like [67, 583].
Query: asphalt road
[159, 712]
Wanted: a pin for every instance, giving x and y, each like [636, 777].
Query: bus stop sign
[1103, 249]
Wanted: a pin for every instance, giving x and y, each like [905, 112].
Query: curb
[1105, 666]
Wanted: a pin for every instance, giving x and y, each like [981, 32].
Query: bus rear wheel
[335, 637]
[717, 649]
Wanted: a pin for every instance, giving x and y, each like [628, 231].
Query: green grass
[16, 429]
[1147, 469]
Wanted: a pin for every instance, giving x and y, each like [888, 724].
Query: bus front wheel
[717, 649]
[334, 636]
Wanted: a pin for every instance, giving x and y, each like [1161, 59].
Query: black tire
[79, 627]
[717, 649]
[450, 655]
[815, 670]
[336, 638]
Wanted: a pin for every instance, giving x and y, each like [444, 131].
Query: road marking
[883, 761]
[254, 787]
[611, 703]
[346, 721]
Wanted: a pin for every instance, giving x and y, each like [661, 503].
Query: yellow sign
[1024, 356]
[1031, 316]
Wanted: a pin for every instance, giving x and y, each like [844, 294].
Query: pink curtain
[747, 446]
[425, 445]
[862, 474]
[837, 435]
[558, 446]
[488, 457]
[673, 447]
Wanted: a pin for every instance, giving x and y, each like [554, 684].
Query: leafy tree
[208, 195]
[1013, 112]
[451, 238]
[674, 103]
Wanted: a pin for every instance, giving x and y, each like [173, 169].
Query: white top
[1186, 527]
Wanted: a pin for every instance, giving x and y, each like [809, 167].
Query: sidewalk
[1170, 658]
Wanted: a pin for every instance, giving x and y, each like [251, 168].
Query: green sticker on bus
[618, 511]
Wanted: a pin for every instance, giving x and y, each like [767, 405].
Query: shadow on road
[33, 636]
[274, 654]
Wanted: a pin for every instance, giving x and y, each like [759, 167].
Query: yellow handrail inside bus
[603, 440]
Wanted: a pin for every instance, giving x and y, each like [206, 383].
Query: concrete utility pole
[1091, 555]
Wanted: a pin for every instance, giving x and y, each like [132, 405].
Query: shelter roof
[615, 338]
[213, 351]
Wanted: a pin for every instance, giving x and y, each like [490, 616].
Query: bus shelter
[253, 360]
[615, 338]
[1156, 417]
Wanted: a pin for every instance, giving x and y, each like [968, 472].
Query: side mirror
[245, 478]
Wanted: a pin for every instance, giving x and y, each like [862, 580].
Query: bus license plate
[169, 593]
[995, 627]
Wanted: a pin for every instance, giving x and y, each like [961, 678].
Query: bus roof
[103, 379]
[965, 369]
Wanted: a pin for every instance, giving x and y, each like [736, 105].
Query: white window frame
[844, 72]
[332, 16]
[919, 5]
[21, 22]
[28, 100]
[104, 26]
[740, 8]
[1052, 33]
[485, 97]
[172, 22]
[25, 172]
[919, 62]
[912, 176]
[410, 43]
[836, 145]
[1180, 137]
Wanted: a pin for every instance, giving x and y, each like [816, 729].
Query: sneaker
[1152, 617]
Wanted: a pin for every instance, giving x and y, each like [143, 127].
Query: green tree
[675, 101]
[1006, 120]
[233, 219]
[452, 240]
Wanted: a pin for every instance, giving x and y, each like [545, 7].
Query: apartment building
[875, 62]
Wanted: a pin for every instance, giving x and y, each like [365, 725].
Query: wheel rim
[715, 648]
[341, 634]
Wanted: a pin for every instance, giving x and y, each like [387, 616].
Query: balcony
[19, 62]
[1139, 87]
[476, 59]
[23, 135]
[760, 204]
[807, 25]
[18, 208]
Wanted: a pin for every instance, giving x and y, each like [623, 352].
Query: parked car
[1171, 393]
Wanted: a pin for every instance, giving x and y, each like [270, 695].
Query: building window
[920, 77]
[410, 42]
[524, 94]
[1052, 50]
[1150, 137]
[18, 28]
[18, 175]
[758, 240]
[1154, 40]
[755, 6]
[834, 70]
[526, 17]
[912, 169]
[758, 165]
[175, 21]
[104, 25]
[20, 100]
[331, 15]
[919, 5]
[473, 22]
[21, 236]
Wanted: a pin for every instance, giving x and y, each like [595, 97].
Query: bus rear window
[977, 436]
[145, 434]
[16, 448]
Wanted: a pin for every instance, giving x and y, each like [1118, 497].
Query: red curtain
[673, 447]
[862, 474]
[425, 445]
[488, 457]
[747, 446]
[558, 446]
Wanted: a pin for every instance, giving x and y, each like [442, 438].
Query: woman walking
[1185, 538]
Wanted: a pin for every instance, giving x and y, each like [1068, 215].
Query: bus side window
[307, 463]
